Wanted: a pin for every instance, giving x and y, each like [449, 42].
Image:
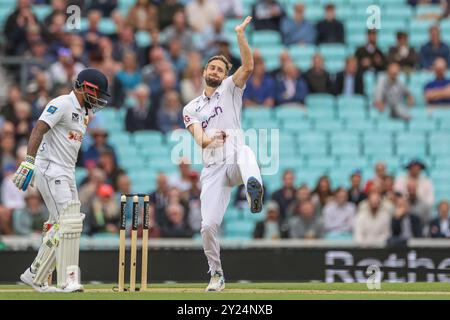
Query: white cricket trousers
[217, 181]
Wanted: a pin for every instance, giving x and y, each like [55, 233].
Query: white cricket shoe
[71, 287]
[217, 282]
[27, 278]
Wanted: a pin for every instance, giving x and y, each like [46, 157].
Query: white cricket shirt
[68, 123]
[222, 111]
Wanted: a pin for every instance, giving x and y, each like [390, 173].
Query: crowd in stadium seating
[153, 82]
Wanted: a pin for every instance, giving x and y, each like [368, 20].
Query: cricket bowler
[50, 166]
[214, 120]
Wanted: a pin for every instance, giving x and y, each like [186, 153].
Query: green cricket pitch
[245, 291]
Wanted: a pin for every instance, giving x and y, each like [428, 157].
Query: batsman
[50, 167]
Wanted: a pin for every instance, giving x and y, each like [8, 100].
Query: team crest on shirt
[75, 117]
[52, 109]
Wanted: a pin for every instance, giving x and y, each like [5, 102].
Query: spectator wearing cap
[290, 87]
[65, 69]
[297, 30]
[260, 88]
[317, 78]
[305, 224]
[373, 221]
[271, 227]
[339, 215]
[350, 81]
[286, 194]
[143, 16]
[403, 54]
[138, 115]
[330, 30]
[170, 115]
[166, 11]
[31, 218]
[437, 91]
[433, 49]
[201, 14]
[391, 94]
[100, 145]
[425, 189]
[369, 56]
[440, 226]
[356, 193]
[267, 15]
[176, 226]
[405, 225]
[104, 215]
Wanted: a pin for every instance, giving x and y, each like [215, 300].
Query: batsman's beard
[212, 82]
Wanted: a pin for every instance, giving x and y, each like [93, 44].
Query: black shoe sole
[255, 191]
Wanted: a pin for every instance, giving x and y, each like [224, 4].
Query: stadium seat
[239, 228]
[345, 149]
[42, 11]
[143, 39]
[391, 125]
[326, 124]
[422, 124]
[439, 144]
[290, 113]
[119, 138]
[257, 113]
[312, 138]
[320, 162]
[357, 124]
[265, 38]
[107, 26]
[148, 137]
[296, 126]
[320, 100]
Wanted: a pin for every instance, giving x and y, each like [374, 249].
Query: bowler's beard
[212, 82]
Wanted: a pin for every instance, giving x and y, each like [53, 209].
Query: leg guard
[67, 253]
[45, 260]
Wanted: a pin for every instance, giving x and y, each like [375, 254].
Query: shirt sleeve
[190, 116]
[52, 114]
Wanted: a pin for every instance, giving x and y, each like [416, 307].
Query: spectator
[405, 225]
[356, 193]
[138, 116]
[14, 97]
[100, 144]
[378, 178]
[170, 116]
[286, 195]
[130, 77]
[106, 7]
[31, 218]
[322, 193]
[370, 57]
[58, 7]
[176, 227]
[179, 30]
[123, 184]
[192, 83]
[156, 58]
[160, 198]
[39, 94]
[297, 30]
[65, 69]
[177, 57]
[425, 190]
[8, 147]
[271, 227]
[391, 93]
[260, 88]
[16, 26]
[182, 180]
[193, 196]
[57, 35]
[317, 78]
[23, 122]
[78, 50]
[440, 226]
[40, 59]
[104, 215]
[403, 54]
[373, 222]
[433, 49]
[437, 91]
[350, 81]
[166, 12]
[125, 42]
[201, 14]
[143, 16]
[231, 9]
[108, 165]
[92, 34]
[224, 49]
[302, 194]
[290, 86]
[389, 192]
[267, 15]
[11, 199]
[305, 224]
[89, 186]
[339, 214]
[210, 38]
[417, 207]
[330, 30]
[168, 84]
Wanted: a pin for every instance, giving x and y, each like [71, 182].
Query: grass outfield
[247, 291]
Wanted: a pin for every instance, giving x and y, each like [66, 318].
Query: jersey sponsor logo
[214, 114]
[75, 136]
[75, 117]
[52, 109]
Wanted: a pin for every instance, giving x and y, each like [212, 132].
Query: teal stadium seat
[411, 144]
[290, 113]
[320, 162]
[297, 126]
[119, 138]
[143, 39]
[107, 26]
[328, 124]
[422, 124]
[242, 228]
[377, 143]
[265, 38]
[439, 145]
[257, 114]
[42, 11]
[148, 137]
[391, 125]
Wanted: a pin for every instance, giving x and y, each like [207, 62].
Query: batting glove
[24, 175]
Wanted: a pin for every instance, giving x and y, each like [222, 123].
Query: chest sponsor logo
[217, 111]
[52, 109]
[75, 136]
[75, 117]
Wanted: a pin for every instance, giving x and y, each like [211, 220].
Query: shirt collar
[217, 93]
[75, 100]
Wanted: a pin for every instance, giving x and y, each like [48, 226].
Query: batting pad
[46, 258]
[67, 253]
